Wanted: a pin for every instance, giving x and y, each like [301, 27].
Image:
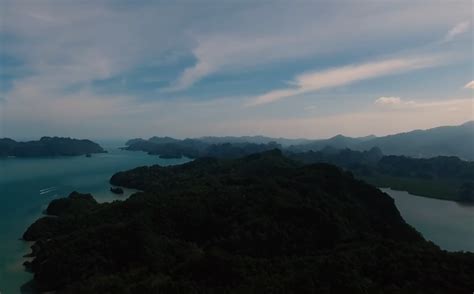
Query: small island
[116, 190]
[49, 146]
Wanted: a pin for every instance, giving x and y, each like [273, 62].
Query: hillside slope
[441, 141]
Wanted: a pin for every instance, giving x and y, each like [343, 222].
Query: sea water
[27, 185]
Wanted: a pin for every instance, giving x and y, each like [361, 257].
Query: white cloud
[397, 103]
[458, 29]
[313, 81]
[191, 75]
[388, 100]
[469, 85]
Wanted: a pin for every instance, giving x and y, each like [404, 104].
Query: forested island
[258, 224]
[48, 146]
[444, 177]
[167, 147]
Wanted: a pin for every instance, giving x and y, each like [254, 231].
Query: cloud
[314, 81]
[394, 102]
[310, 108]
[388, 101]
[79, 43]
[458, 29]
[190, 76]
[265, 34]
[397, 103]
[469, 85]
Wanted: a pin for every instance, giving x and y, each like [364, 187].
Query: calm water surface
[447, 223]
[28, 185]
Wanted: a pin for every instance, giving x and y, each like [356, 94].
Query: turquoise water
[28, 185]
[448, 224]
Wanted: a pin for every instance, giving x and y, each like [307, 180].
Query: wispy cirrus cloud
[458, 29]
[272, 40]
[469, 85]
[314, 81]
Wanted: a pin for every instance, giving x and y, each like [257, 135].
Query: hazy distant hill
[447, 140]
[442, 141]
[168, 147]
[253, 139]
[48, 146]
[338, 142]
[285, 142]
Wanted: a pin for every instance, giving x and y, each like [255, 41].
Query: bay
[27, 185]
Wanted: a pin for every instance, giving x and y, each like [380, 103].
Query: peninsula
[48, 146]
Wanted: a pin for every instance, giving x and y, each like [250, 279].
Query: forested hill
[48, 146]
[259, 224]
[445, 177]
[441, 141]
[168, 147]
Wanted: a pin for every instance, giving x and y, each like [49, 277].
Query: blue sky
[121, 69]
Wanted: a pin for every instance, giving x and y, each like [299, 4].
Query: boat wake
[47, 190]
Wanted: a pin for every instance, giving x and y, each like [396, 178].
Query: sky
[282, 68]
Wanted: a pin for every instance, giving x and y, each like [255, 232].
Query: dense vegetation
[48, 146]
[441, 176]
[168, 147]
[259, 224]
[445, 177]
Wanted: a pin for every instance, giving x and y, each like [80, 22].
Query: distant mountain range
[284, 142]
[441, 141]
[447, 140]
